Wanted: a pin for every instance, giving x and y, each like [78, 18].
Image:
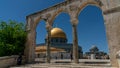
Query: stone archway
[111, 13]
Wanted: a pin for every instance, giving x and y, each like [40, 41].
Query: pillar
[111, 12]
[30, 44]
[75, 40]
[48, 43]
[112, 23]
[30, 47]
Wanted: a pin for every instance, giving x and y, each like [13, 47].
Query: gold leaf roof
[57, 33]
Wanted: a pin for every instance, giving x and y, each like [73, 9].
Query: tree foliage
[12, 38]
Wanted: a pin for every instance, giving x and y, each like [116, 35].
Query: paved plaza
[62, 65]
[66, 63]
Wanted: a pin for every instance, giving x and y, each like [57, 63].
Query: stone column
[75, 40]
[30, 47]
[48, 43]
[30, 44]
[112, 23]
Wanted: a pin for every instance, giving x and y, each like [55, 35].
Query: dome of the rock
[58, 33]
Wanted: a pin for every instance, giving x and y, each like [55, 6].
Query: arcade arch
[73, 7]
[91, 28]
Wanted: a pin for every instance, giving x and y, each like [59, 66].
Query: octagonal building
[60, 48]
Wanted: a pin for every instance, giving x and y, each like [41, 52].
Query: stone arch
[36, 22]
[32, 23]
[111, 13]
[85, 4]
[93, 17]
[57, 13]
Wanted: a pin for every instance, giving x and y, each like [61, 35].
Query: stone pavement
[66, 63]
[62, 65]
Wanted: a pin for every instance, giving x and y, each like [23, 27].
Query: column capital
[48, 27]
[74, 21]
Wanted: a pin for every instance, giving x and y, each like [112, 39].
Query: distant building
[59, 46]
[94, 53]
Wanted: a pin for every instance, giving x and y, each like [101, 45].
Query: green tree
[12, 38]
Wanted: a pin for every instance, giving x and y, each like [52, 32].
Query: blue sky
[91, 29]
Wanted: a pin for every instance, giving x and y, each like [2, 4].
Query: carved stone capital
[48, 27]
[46, 17]
[74, 21]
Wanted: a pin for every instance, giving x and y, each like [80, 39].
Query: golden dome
[57, 33]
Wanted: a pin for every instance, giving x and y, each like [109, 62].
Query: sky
[91, 29]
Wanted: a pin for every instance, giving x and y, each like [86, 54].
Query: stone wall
[8, 61]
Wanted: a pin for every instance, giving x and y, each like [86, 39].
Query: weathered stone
[111, 11]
